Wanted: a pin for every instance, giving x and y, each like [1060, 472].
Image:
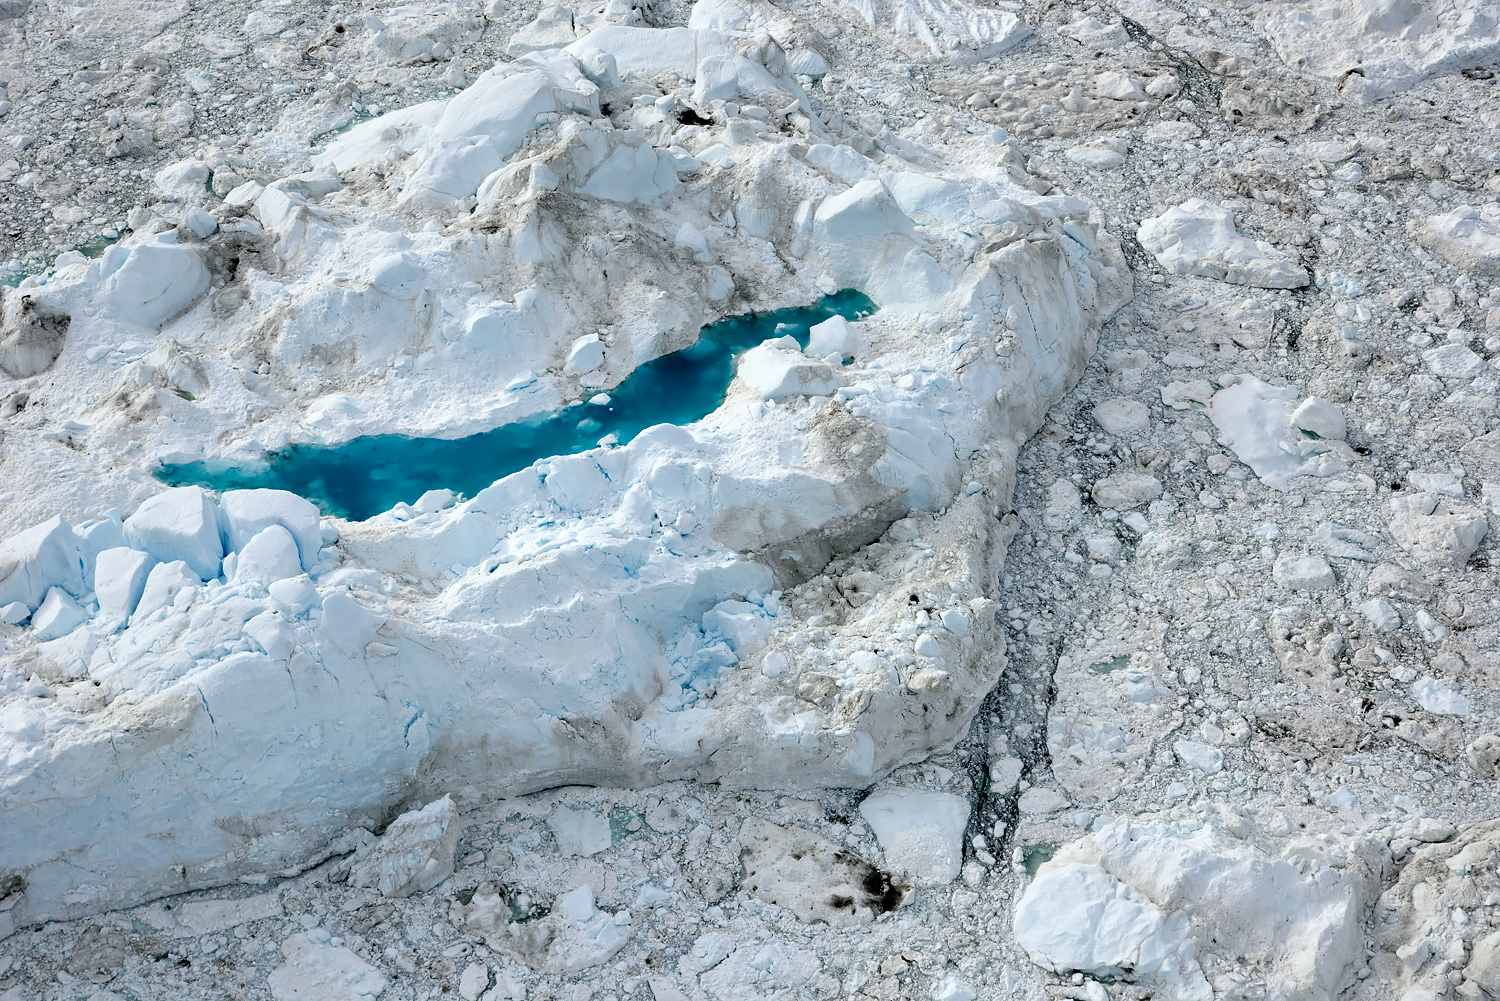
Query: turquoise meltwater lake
[365, 476]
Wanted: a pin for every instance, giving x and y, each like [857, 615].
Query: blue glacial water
[365, 476]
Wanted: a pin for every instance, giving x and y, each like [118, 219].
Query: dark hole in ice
[883, 892]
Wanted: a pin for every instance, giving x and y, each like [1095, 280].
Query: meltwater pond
[365, 476]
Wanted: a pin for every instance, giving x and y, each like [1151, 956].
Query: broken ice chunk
[586, 354]
[1453, 361]
[1468, 237]
[151, 283]
[1203, 757]
[778, 369]
[414, 854]
[179, 524]
[1256, 420]
[1381, 614]
[920, 833]
[58, 615]
[1303, 573]
[1197, 238]
[316, 969]
[1319, 418]
[834, 335]
[583, 935]
[270, 556]
[579, 832]
[162, 586]
[37, 559]
[1124, 491]
[1437, 531]
[1437, 698]
[119, 578]
[1121, 416]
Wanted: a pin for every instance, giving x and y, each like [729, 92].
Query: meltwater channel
[368, 475]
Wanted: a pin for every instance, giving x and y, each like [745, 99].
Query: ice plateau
[240, 686]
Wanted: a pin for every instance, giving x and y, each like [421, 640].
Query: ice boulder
[1437, 698]
[32, 333]
[58, 615]
[179, 524]
[162, 586]
[743, 625]
[500, 107]
[246, 513]
[580, 832]
[778, 369]
[270, 556]
[582, 935]
[651, 52]
[336, 410]
[692, 239]
[1319, 418]
[552, 28]
[414, 854]
[184, 181]
[399, 275]
[723, 78]
[834, 335]
[586, 354]
[1374, 48]
[807, 52]
[1169, 908]
[1078, 917]
[954, 31]
[1196, 238]
[95, 537]
[452, 170]
[864, 212]
[154, 281]
[1468, 237]
[38, 559]
[1437, 531]
[119, 578]
[315, 968]
[1263, 424]
[408, 33]
[629, 172]
[921, 833]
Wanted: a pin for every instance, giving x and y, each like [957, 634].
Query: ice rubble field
[616, 677]
[238, 685]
